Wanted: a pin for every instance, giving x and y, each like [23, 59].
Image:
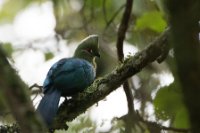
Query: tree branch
[123, 28]
[121, 36]
[14, 92]
[156, 126]
[101, 87]
[184, 21]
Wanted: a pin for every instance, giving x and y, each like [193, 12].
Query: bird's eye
[90, 50]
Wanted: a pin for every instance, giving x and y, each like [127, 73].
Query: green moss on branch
[70, 109]
[15, 94]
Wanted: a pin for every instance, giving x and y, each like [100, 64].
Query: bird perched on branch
[68, 76]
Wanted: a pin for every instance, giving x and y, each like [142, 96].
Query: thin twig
[123, 28]
[161, 127]
[114, 16]
[121, 36]
[104, 11]
[35, 85]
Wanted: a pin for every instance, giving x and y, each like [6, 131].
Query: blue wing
[70, 75]
[48, 81]
[66, 77]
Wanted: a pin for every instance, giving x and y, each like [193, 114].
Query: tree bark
[15, 94]
[184, 18]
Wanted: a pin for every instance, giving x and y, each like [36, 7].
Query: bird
[68, 76]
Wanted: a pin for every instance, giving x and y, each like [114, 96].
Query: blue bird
[68, 76]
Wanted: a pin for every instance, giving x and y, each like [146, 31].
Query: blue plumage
[49, 105]
[70, 75]
[66, 77]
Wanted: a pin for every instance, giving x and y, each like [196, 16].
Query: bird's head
[88, 49]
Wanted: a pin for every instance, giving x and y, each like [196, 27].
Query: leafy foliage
[48, 56]
[8, 48]
[82, 124]
[181, 119]
[76, 19]
[169, 105]
[151, 20]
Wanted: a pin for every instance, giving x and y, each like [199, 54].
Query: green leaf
[151, 20]
[8, 48]
[49, 55]
[168, 102]
[181, 119]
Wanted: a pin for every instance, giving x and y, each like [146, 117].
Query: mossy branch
[15, 95]
[101, 87]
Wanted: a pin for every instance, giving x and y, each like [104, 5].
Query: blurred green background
[64, 23]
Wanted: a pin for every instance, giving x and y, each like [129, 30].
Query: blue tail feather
[48, 106]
